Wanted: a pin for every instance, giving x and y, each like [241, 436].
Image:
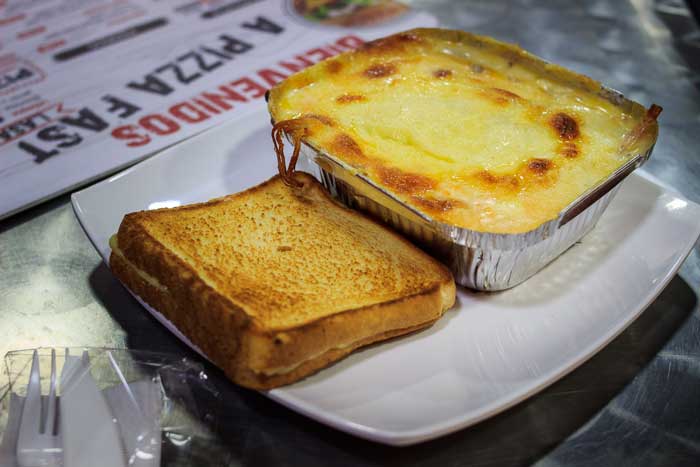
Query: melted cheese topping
[466, 130]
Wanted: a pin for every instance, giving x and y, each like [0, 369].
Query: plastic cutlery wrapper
[82, 407]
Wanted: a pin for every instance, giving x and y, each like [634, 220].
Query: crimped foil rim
[489, 240]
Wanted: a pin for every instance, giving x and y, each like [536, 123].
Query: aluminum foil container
[478, 260]
[482, 260]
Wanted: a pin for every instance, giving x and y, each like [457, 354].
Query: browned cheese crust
[467, 131]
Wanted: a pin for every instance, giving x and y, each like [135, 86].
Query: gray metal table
[637, 402]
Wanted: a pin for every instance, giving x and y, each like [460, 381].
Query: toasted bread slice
[276, 282]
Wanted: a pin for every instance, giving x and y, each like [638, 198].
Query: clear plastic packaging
[161, 410]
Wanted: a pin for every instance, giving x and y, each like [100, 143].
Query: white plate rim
[458, 422]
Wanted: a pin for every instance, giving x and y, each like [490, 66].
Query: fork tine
[30, 422]
[71, 370]
[31, 414]
[50, 425]
[36, 444]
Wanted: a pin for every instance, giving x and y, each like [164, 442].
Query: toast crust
[254, 349]
[215, 337]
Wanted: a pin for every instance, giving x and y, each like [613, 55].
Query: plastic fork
[38, 442]
[90, 435]
[139, 423]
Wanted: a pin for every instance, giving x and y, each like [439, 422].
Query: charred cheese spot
[534, 174]
[499, 96]
[380, 70]
[345, 146]
[321, 118]
[434, 205]
[537, 174]
[334, 66]
[502, 182]
[349, 98]
[442, 73]
[404, 182]
[297, 81]
[395, 43]
[505, 93]
[569, 150]
[539, 166]
[565, 126]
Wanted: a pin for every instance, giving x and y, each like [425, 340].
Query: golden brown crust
[329, 357]
[495, 139]
[254, 346]
[210, 321]
[214, 335]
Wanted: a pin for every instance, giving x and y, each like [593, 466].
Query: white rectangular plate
[485, 355]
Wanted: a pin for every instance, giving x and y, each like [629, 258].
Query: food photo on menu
[349, 232]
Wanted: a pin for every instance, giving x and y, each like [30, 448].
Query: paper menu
[90, 86]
